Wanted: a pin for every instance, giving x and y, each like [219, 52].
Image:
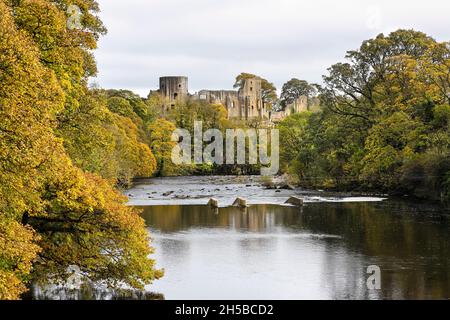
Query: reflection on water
[88, 291]
[321, 251]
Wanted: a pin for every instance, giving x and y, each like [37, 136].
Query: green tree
[294, 89]
[139, 106]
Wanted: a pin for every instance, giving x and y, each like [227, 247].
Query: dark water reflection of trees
[410, 241]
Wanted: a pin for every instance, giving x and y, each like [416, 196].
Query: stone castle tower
[250, 96]
[173, 89]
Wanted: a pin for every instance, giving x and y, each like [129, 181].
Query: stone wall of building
[298, 106]
[245, 104]
[228, 98]
[173, 89]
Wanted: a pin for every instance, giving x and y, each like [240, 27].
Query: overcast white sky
[211, 41]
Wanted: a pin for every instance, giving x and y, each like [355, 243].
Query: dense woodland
[384, 123]
[66, 149]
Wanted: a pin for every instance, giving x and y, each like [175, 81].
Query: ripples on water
[320, 251]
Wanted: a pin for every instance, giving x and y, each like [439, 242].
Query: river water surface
[272, 251]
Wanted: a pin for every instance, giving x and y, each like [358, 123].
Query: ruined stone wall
[277, 116]
[228, 98]
[233, 106]
[298, 106]
[245, 104]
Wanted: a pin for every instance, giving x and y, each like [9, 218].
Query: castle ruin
[243, 104]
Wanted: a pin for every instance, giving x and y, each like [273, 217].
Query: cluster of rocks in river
[278, 183]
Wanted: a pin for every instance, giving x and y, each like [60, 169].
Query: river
[273, 251]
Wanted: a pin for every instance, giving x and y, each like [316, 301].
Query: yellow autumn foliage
[53, 214]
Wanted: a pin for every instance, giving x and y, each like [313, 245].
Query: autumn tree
[138, 107]
[185, 113]
[52, 213]
[162, 145]
[29, 97]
